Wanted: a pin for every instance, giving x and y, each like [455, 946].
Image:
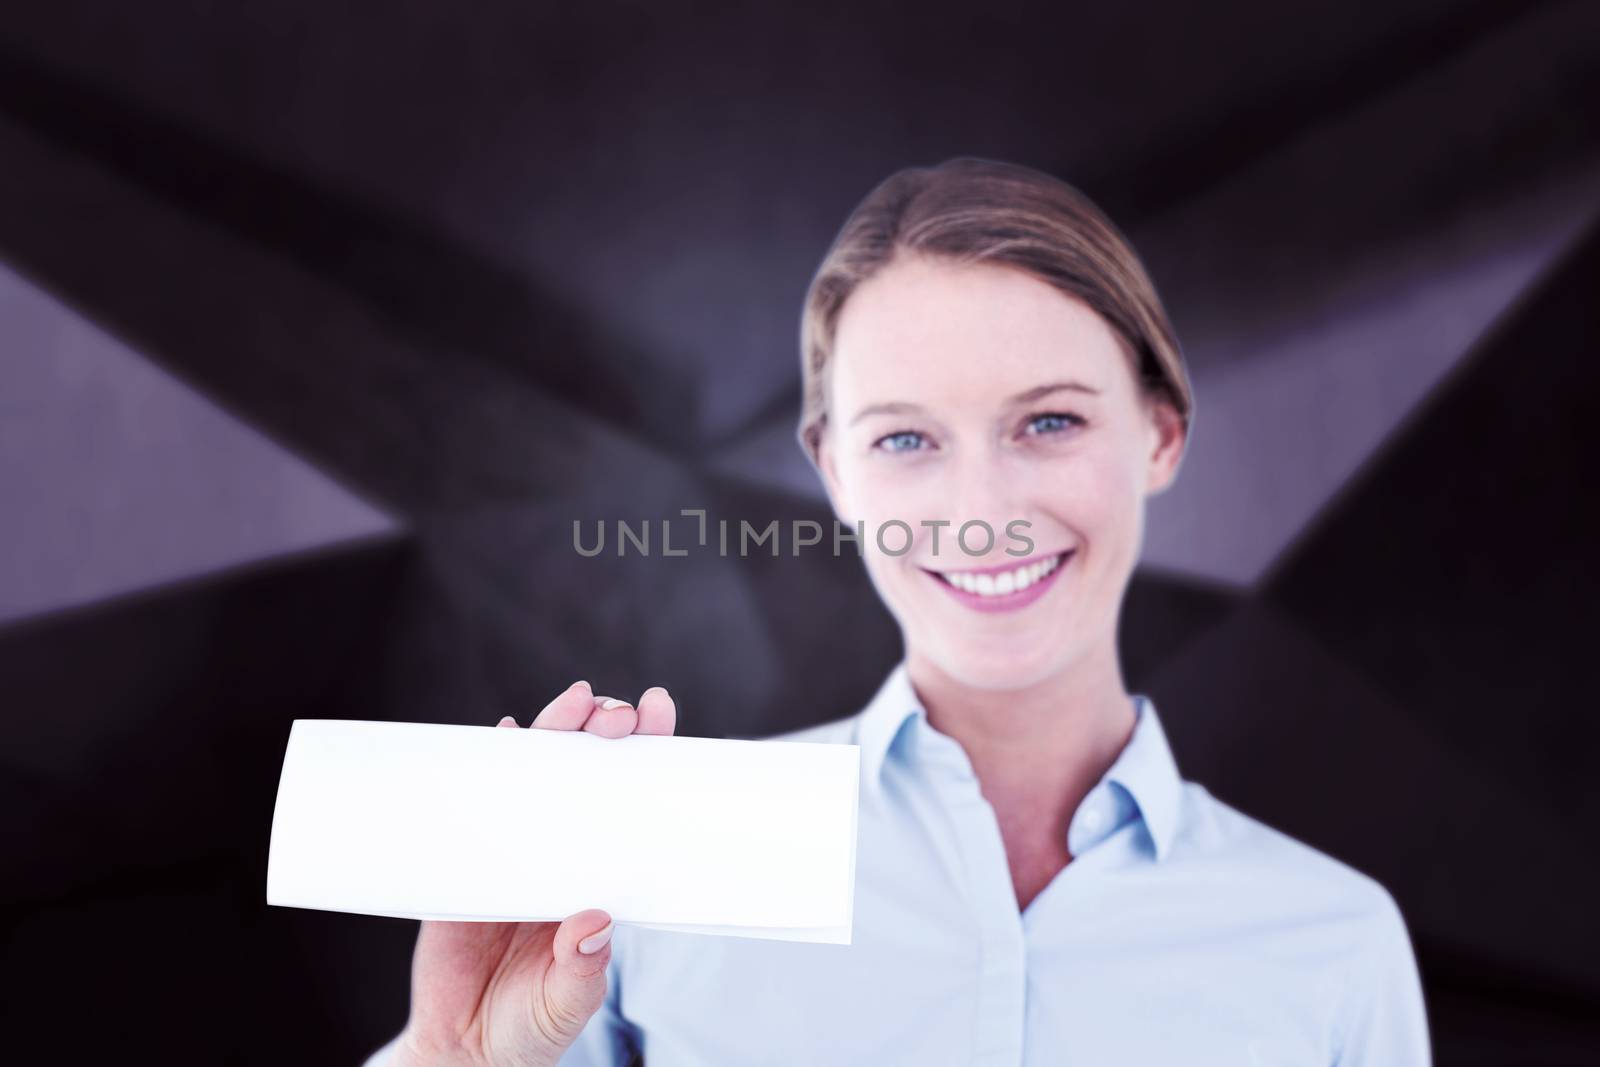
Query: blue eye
[903, 441]
[1052, 422]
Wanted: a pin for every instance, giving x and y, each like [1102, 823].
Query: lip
[1010, 601]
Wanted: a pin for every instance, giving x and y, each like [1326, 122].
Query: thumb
[575, 985]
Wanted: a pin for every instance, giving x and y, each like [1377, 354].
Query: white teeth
[1001, 584]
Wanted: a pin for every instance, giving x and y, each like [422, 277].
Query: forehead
[926, 330]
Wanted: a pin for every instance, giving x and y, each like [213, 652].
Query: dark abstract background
[320, 324]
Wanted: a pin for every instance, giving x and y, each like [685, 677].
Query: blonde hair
[985, 211]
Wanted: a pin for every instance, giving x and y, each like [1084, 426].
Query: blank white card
[479, 823]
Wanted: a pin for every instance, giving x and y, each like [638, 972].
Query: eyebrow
[1027, 396]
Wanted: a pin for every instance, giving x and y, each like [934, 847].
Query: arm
[1385, 1021]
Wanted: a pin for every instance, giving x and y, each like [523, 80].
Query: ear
[1167, 437]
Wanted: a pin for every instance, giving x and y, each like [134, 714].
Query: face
[968, 394]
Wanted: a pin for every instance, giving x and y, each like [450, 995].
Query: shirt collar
[1147, 770]
[881, 721]
[1145, 767]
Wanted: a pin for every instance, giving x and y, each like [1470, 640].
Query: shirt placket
[1002, 965]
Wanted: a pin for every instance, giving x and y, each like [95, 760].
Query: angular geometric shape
[119, 477]
[1279, 433]
[1323, 290]
[143, 745]
[1458, 571]
[1161, 614]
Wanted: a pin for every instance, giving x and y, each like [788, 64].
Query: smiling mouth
[1000, 582]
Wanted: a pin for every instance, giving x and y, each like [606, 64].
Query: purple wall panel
[115, 476]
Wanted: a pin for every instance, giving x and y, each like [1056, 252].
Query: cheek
[1093, 496]
[882, 495]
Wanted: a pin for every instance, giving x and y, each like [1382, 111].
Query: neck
[1040, 747]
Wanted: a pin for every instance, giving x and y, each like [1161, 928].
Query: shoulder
[1276, 866]
[1288, 901]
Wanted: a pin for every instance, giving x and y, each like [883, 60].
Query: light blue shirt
[1182, 932]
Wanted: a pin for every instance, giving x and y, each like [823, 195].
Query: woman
[1036, 883]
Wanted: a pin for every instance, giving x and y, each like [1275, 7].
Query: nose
[985, 495]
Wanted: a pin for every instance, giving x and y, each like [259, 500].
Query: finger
[569, 711]
[507, 721]
[575, 985]
[612, 718]
[658, 714]
[583, 933]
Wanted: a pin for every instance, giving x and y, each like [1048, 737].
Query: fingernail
[582, 683]
[506, 719]
[597, 940]
[614, 703]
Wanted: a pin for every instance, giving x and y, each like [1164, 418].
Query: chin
[1013, 665]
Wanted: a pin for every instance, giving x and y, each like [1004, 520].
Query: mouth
[1005, 588]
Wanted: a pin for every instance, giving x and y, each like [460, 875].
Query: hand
[517, 994]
